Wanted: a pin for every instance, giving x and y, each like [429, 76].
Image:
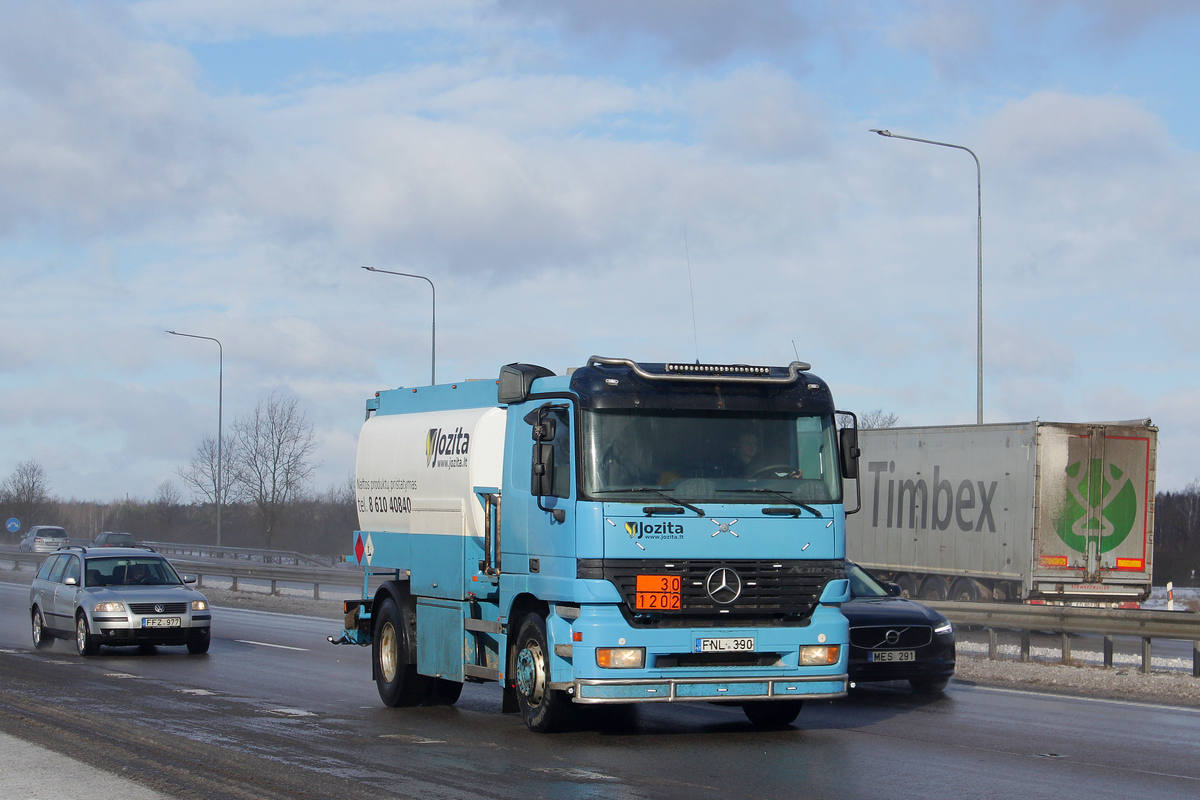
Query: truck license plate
[658, 593]
[161, 622]
[893, 655]
[725, 645]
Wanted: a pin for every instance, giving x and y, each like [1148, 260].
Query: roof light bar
[730, 373]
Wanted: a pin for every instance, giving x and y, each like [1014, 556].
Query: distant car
[110, 539]
[43, 539]
[892, 638]
[116, 597]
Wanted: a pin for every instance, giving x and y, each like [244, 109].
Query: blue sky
[223, 168]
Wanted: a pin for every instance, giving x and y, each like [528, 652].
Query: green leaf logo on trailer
[1101, 501]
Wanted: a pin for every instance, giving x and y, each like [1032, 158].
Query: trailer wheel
[772, 713]
[908, 586]
[964, 590]
[397, 680]
[544, 709]
[443, 692]
[934, 588]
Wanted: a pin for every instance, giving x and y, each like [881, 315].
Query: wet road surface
[275, 711]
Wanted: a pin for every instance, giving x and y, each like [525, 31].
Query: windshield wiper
[785, 497]
[699, 511]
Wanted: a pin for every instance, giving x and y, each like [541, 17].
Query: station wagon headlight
[109, 608]
[944, 628]
[199, 605]
[819, 655]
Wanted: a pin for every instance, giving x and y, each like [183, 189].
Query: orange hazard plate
[658, 593]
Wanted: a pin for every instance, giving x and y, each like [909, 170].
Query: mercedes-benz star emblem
[723, 585]
[158, 608]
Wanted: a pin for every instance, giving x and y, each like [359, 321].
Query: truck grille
[769, 588]
[874, 637]
[149, 608]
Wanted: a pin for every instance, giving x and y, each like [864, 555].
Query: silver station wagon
[116, 596]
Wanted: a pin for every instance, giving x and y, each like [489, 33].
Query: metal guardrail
[330, 576]
[1067, 620]
[239, 554]
[233, 569]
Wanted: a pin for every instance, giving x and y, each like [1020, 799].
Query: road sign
[13, 525]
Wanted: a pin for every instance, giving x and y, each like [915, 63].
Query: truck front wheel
[397, 680]
[772, 713]
[543, 709]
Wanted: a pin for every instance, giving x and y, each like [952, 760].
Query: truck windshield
[712, 457]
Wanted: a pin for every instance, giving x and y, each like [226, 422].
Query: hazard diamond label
[358, 548]
[368, 549]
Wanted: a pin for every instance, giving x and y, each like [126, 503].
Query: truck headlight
[819, 655]
[944, 628]
[621, 657]
[109, 608]
[199, 605]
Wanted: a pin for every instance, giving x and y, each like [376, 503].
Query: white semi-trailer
[1031, 511]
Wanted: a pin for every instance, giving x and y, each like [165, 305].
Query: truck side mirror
[542, 484]
[848, 443]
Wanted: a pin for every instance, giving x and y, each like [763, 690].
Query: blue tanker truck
[626, 533]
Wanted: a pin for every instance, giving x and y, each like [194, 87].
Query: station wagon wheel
[41, 639]
[85, 643]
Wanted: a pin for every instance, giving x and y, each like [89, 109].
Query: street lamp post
[433, 338]
[979, 256]
[220, 404]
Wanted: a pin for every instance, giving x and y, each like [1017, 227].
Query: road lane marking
[1108, 700]
[268, 644]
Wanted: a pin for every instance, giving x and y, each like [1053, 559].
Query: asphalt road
[275, 711]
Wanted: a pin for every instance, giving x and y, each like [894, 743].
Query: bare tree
[26, 492]
[200, 474]
[273, 449]
[877, 419]
[166, 504]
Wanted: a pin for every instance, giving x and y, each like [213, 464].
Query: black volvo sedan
[892, 638]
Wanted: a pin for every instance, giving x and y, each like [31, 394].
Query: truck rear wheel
[772, 713]
[543, 709]
[908, 586]
[397, 680]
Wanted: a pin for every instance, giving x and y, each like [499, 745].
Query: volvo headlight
[199, 605]
[944, 628]
[819, 655]
[109, 608]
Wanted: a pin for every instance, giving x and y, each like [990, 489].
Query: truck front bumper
[690, 690]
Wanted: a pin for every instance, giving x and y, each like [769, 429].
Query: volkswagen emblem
[158, 608]
[723, 585]
[892, 636]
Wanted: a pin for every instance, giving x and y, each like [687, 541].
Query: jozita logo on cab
[654, 530]
[444, 449]
[1101, 502]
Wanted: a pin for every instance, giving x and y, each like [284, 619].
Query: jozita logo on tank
[444, 449]
[1101, 501]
